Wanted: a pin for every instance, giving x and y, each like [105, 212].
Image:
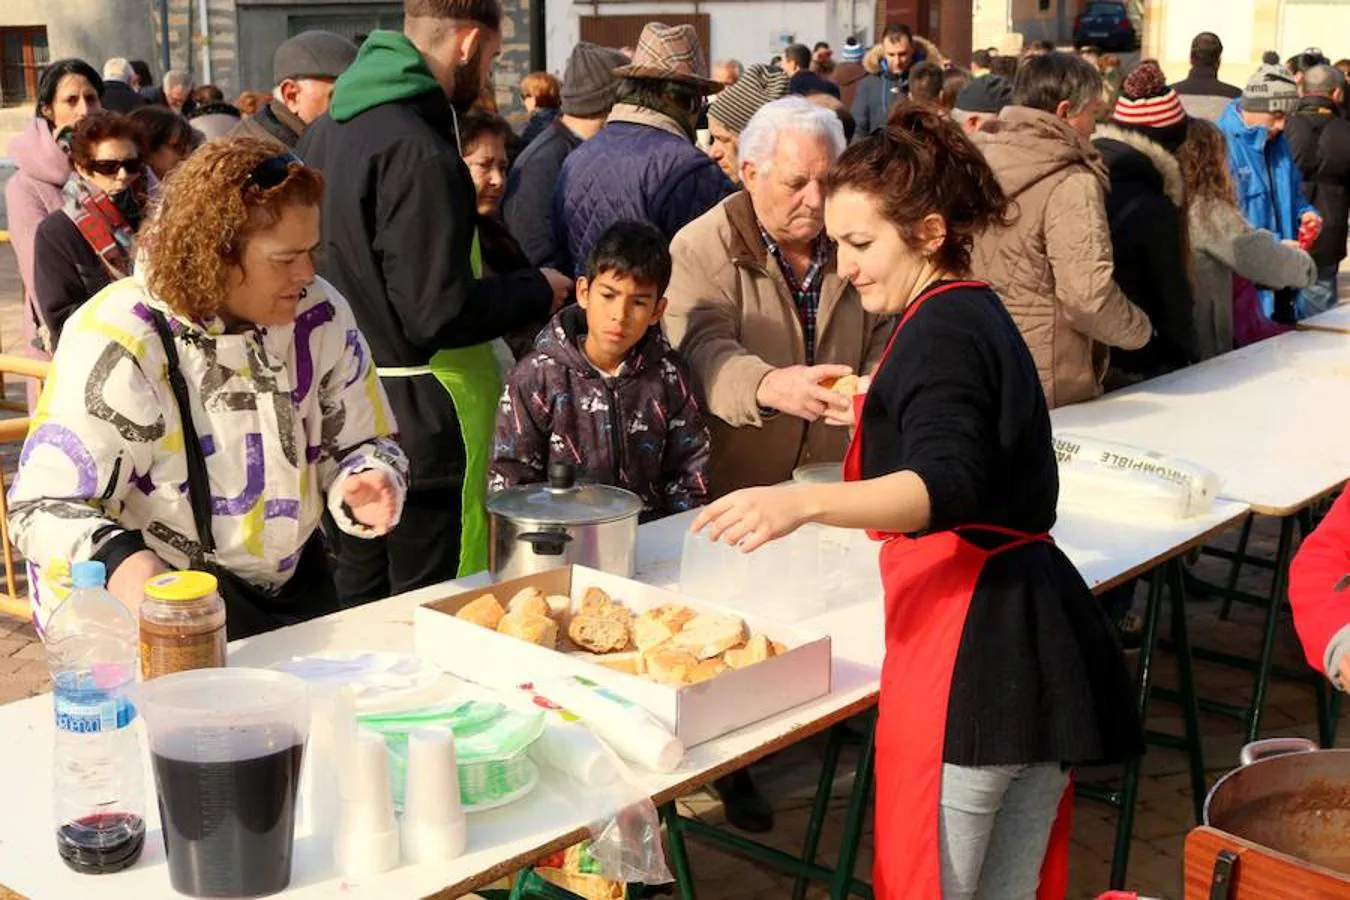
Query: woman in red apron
[1001, 670]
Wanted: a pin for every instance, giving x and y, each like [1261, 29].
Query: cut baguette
[484, 611]
[630, 663]
[529, 600]
[598, 603]
[531, 627]
[709, 635]
[756, 650]
[706, 670]
[598, 633]
[668, 665]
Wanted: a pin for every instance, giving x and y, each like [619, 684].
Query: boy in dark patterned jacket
[604, 391]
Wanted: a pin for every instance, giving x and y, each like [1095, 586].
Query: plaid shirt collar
[820, 256]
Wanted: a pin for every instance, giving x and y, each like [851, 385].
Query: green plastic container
[491, 749]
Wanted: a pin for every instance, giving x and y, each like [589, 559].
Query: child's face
[619, 310]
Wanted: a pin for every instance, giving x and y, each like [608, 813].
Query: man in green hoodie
[400, 244]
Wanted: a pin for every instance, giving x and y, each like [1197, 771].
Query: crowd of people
[394, 302]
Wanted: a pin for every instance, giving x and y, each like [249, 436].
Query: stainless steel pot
[535, 527]
[1289, 796]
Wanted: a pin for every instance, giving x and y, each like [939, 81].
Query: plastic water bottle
[98, 786]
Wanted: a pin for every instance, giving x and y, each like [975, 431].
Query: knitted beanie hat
[1147, 105]
[589, 84]
[1270, 89]
[758, 86]
[852, 51]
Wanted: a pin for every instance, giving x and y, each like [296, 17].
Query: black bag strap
[199, 484]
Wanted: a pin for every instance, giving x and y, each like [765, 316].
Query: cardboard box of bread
[700, 669]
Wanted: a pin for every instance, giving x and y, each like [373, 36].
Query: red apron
[929, 582]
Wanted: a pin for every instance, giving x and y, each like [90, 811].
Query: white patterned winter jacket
[284, 415]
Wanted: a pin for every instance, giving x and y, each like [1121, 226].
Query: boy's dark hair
[799, 54]
[633, 249]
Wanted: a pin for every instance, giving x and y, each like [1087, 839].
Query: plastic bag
[1102, 476]
[625, 827]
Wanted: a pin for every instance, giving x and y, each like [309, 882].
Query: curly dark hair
[99, 127]
[208, 209]
[921, 163]
[475, 124]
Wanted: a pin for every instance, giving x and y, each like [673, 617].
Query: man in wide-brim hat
[643, 164]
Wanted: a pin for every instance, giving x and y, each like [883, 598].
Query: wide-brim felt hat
[670, 53]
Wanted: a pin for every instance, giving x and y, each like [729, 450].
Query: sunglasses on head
[110, 167]
[272, 171]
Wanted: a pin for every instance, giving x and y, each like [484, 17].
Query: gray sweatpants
[993, 828]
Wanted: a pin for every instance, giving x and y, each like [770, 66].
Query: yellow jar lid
[181, 586]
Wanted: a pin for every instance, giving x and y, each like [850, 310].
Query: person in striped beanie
[734, 107]
[1146, 210]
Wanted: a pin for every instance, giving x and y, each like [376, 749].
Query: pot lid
[562, 501]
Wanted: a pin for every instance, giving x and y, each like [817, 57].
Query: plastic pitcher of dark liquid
[226, 746]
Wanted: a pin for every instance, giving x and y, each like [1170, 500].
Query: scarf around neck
[103, 225]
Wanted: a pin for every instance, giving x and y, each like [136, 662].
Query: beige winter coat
[1053, 264]
[733, 317]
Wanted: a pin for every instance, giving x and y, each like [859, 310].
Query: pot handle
[1279, 746]
[546, 543]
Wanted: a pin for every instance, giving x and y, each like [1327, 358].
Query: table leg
[1129, 791]
[1283, 557]
[1236, 568]
[820, 805]
[1190, 712]
[858, 801]
[679, 853]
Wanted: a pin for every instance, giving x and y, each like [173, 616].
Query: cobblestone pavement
[789, 778]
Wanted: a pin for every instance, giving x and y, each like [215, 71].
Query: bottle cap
[88, 574]
[181, 587]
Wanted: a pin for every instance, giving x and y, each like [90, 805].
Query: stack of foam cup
[433, 817]
[367, 841]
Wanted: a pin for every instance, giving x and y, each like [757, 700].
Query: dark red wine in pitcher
[229, 825]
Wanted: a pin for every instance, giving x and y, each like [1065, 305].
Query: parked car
[1105, 25]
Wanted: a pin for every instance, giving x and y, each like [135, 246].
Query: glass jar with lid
[182, 624]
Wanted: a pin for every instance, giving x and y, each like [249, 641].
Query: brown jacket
[1053, 265]
[733, 318]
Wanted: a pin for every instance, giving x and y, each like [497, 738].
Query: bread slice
[778, 647]
[559, 607]
[598, 634]
[756, 650]
[846, 385]
[706, 670]
[710, 635]
[529, 600]
[531, 627]
[648, 632]
[596, 602]
[630, 663]
[668, 665]
[484, 611]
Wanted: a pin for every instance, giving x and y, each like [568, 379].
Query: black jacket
[1320, 140]
[539, 123]
[807, 83]
[398, 223]
[1148, 237]
[66, 271]
[120, 97]
[528, 206]
[1205, 82]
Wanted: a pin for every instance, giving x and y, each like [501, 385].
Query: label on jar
[168, 650]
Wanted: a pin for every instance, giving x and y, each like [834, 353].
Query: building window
[23, 55]
[1043, 5]
[353, 26]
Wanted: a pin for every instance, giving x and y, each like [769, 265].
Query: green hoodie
[388, 69]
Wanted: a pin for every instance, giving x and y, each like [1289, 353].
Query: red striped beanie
[1148, 105]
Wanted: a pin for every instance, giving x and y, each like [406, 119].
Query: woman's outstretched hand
[750, 518]
[371, 499]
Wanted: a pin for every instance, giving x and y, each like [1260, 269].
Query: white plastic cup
[367, 841]
[434, 826]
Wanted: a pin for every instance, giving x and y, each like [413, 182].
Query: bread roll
[668, 665]
[846, 385]
[710, 635]
[599, 634]
[528, 600]
[630, 663]
[484, 611]
[530, 627]
[756, 650]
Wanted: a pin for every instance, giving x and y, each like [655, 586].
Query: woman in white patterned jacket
[283, 397]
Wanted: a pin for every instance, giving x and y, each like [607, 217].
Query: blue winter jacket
[631, 171]
[1269, 186]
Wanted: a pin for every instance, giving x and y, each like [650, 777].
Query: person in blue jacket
[1269, 187]
[889, 84]
[643, 165]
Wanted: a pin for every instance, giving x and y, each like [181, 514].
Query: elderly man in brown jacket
[1053, 264]
[759, 311]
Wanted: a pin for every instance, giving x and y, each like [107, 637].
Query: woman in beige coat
[742, 320]
[1053, 265]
